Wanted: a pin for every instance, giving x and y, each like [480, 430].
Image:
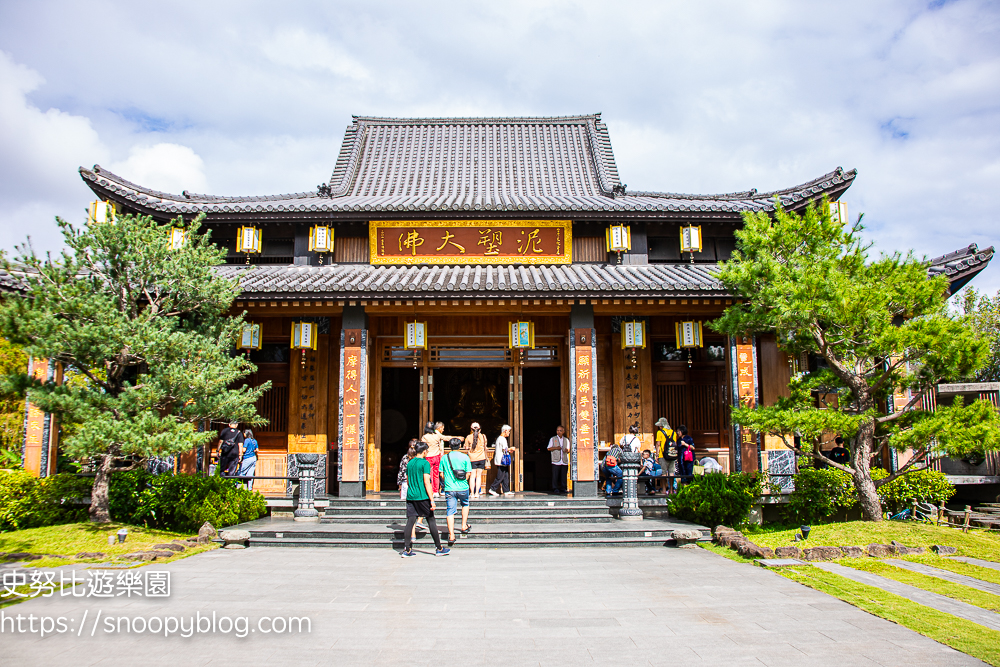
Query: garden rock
[728, 539]
[904, 550]
[207, 532]
[942, 550]
[750, 550]
[90, 554]
[169, 547]
[879, 550]
[788, 552]
[235, 545]
[853, 552]
[822, 553]
[139, 555]
[162, 553]
[686, 538]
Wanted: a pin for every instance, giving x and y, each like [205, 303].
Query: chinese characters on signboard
[471, 242]
[746, 389]
[352, 394]
[584, 384]
[307, 394]
[633, 399]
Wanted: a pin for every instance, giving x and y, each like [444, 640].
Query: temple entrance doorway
[401, 389]
[541, 413]
[465, 395]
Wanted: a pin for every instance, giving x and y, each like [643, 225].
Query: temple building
[492, 270]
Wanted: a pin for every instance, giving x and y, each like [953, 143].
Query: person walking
[666, 449]
[432, 438]
[456, 468]
[230, 440]
[559, 452]
[419, 502]
[475, 444]
[248, 463]
[502, 459]
[685, 454]
[401, 480]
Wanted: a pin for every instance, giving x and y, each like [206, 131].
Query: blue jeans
[454, 498]
[614, 476]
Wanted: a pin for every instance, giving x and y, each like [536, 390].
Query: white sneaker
[493, 493]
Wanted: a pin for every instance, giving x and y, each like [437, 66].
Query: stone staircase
[986, 515]
[532, 520]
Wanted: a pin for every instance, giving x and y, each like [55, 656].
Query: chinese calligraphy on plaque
[746, 387]
[307, 394]
[586, 412]
[633, 399]
[471, 242]
[352, 394]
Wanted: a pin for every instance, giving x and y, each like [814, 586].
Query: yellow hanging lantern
[618, 238]
[101, 212]
[320, 239]
[248, 240]
[838, 211]
[689, 335]
[521, 335]
[634, 334]
[304, 335]
[416, 336]
[250, 338]
[691, 240]
[178, 237]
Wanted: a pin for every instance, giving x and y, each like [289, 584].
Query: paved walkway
[933, 600]
[976, 561]
[653, 606]
[947, 575]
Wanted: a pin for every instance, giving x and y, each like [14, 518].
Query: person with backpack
[248, 462]
[230, 440]
[685, 454]
[666, 448]
[456, 470]
[502, 459]
[613, 470]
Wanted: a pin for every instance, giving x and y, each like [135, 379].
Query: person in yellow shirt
[666, 450]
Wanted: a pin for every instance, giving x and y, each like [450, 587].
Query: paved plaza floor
[559, 606]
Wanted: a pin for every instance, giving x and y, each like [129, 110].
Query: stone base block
[584, 489]
[352, 490]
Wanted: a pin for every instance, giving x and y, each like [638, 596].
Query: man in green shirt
[456, 469]
[420, 501]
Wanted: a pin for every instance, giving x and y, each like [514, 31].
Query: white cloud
[299, 49]
[164, 167]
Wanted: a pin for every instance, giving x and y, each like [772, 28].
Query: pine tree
[146, 327]
[874, 326]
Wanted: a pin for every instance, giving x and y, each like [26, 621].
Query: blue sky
[253, 98]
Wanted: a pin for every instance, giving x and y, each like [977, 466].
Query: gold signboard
[471, 242]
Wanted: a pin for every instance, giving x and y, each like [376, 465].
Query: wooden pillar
[40, 449]
[746, 448]
[352, 431]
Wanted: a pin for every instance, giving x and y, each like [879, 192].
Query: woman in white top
[501, 451]
[630, 441]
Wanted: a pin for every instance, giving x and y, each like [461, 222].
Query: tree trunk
[871, 505]
[99, 501]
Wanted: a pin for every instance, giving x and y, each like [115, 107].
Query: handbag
[505, 459]
[459, 474]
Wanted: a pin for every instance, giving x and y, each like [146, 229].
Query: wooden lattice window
[351, 250]
[273, 406]
[589, 249]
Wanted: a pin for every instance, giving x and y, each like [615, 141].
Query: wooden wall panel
[774, 371]
[351, 250]
[589, 249]
[605, 386]
[307, 427]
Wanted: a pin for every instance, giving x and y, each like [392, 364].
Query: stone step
[482, 510]
[355, 505]
[425, 544]
[476, 517]
[479, 532]
[987, 509]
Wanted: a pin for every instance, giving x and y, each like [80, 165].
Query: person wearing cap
[666, 450]
[230, 441]
[456, 468]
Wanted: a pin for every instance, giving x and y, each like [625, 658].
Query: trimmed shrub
[185, 502]
[928, 486]
[819, 494]
[716, 499]
[29, 502]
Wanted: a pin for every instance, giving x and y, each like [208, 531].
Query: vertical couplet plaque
[353, 391]
[583, 409]
[745, 394]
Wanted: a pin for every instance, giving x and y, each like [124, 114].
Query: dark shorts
[418, 508]
[479, 465]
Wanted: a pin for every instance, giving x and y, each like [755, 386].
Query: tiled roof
[10, 282]
[961, 266]
[425, 165]
[360, 281]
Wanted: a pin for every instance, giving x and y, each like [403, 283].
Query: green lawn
[975, 543]
[966, 636]
[68, 540]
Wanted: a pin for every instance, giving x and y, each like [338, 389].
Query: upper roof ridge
[478, 120]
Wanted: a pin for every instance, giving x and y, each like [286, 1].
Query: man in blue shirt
[456, 468]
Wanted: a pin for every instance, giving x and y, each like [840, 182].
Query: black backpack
[669, 447]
